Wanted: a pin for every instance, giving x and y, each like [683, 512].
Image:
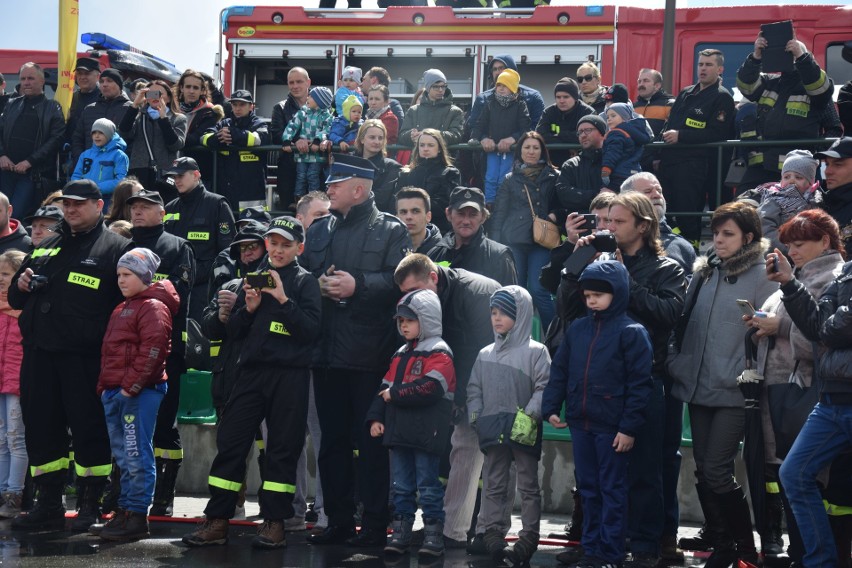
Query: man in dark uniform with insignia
[702, 113]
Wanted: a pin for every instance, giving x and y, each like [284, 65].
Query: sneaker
[208, 532]
[135, 526]
[641, 560]
[295, 524]
[240, 513]
[571, 555]
[11, 505]
[270, 534]
[311, 516]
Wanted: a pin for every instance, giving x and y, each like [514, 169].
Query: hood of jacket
[638, 129]
[426, 305]
[164, 291]
[744, 258]
[350, 102]
[521, 333]
[614, 273]
[116, 143]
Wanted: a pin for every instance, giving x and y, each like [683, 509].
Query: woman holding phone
[707, 356]
[157, 131]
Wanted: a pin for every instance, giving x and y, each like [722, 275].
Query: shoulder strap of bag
[527, 193]
[147, 143]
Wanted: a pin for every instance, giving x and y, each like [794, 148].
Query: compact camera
[37, 282]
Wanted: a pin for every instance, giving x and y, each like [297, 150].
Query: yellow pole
[69, 15]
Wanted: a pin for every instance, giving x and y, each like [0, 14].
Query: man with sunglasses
[177, 264]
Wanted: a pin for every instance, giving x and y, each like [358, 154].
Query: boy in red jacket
[132, 384]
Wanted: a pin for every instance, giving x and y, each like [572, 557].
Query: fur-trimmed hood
[749, 255]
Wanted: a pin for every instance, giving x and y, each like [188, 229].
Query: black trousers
[58, 392]
[685, 189]
[167, 443]
[280, 396]
[343, 398]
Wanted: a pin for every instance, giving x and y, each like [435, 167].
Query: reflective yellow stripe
[253, 139]
[224, 483]
[260, 444]
[692, 123]
[71, 456]
[773, 487]
[836, 510]
[768, 99]
[819, 86]
[84, 280]
[93, 471]
[171, 217]
[355, 453]
[198, 236]
[214, 350]
[204, 139]
[748, 134]
[748, 88]
[49, 467]
[278, 327]
[168, 454]
[279, 487]
[444, 263]
[45, 252]
[755, 159]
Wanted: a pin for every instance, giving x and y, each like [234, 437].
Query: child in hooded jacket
[413, 412]
[344, 128]
[602, 372]
[13, 449]
[504, 392]
[622, 148]
[105, 163]
[311, 123]
[132, 383]
[504, 119]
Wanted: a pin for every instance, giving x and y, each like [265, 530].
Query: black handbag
[790, 404]
[736, 172]
[197, 354]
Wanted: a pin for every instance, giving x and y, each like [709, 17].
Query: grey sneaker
[11, 505]
[295, 524]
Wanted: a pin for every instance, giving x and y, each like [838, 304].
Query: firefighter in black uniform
[702, 113]
[790, 106]
[67, 289]
[202, 218]
[177, 264]
[241, 171]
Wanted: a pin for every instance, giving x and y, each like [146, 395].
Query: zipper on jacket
[586, 372]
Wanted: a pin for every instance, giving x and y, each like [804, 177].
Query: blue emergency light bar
[103, 41]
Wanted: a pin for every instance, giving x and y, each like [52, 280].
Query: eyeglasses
[438, 87]
[584, 78]
[250, 247]
[584, 131]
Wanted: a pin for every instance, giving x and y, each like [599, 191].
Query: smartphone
[591, 222]
[152, 95]
[260, 280]
[746, 308]
[775, 264]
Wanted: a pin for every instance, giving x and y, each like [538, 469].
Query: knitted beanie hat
[595, 121]
[353, 73]
[432, 76]
[801, 162]
[142, 262]
[567, 85]
[624, 110]
[322, 96]
[510, 78]
[504, 301]
[104, 125]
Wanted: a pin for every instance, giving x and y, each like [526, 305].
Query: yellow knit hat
[510, 79]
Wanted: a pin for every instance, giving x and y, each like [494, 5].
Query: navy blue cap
[346, 166]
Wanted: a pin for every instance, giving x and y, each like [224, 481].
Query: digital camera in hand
[37, 282]
[604, 243]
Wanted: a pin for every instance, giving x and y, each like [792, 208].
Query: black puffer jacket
[438, 180]
[498, 122]
[113, 109]
[559, 127]
[481, 255]
[512, 220]
[828, 319]
[385, 182]
[48, 138]
[358, 333]
[657, 291]
[580, 180]
[838, 204]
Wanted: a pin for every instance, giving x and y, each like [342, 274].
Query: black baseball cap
[81, 189]
[462, 197]
[88, 63]
[288, 227]
[254, 214]
[241, 95]
[842, 148]
[47, 212]
[252, 231]
[146, 195]
[182, 165]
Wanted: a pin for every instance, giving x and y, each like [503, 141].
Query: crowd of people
[392, 312]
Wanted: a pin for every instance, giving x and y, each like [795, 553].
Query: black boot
[712, 532]
[574, 531]
[736, 515]
[89, 505]
[771, 541]
[164, 490]
[113, 491]
[48, 512]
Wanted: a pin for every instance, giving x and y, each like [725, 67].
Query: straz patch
[198, 236]
[224, 228]
[84, 280]
[692, 123]
[249, 157]
[278, 327]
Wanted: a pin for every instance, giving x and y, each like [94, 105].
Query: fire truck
[132, 62]
[260, 44]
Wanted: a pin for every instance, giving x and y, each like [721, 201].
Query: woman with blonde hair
[371, 144]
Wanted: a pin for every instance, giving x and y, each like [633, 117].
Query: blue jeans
[20, 190]
[827, 433]
[307, 177]
[130, 422]
[529, 260]
[416, 471]
[497, 165]
[601, 474]
[13, 448]
[645, 513]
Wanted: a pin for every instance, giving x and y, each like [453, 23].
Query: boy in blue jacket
[105, 163]
[623, 144]
[602, 372]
